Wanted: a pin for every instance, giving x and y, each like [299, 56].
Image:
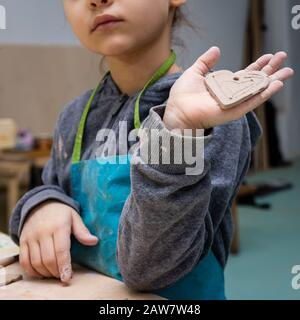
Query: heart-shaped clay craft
[230, 89]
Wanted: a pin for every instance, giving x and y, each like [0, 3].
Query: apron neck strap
[157, 75]
[79, 136]
[76, 156]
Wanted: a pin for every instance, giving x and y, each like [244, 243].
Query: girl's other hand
[190, 105]
[45, 240]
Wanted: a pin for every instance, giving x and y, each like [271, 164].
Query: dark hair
[180, 19]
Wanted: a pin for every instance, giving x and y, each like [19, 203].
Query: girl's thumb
[81, 232]
[207, 61]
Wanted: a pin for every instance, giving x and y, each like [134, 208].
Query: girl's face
[143, 22]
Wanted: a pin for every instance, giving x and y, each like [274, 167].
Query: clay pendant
[230, 89]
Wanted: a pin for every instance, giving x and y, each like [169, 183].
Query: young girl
[146, 223]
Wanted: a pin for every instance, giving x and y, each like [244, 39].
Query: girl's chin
[111, 51]
[113, 46]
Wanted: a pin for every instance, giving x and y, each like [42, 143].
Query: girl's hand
[190, 105]
[45, 240]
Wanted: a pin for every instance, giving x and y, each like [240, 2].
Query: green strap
[157, 75]
[137, 123]
[79, 136]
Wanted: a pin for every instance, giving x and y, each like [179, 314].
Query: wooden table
[85, 285]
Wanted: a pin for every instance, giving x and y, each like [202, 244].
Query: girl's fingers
[207, 61]
[260, 63]
[282, 74]
[49, 257]
[25, 263]
[275, 63]
[258, 100]
[81, 232]
[62, 245]
[36, 260]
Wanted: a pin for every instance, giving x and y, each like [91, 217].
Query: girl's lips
[107, 25]
[104, 20]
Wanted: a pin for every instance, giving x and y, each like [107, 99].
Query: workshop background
[43, 67]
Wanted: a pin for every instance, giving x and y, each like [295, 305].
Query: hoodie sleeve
[166, 226]
[50, 190]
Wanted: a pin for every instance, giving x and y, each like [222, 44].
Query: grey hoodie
[170, 219]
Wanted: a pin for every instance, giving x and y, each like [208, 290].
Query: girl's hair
[180, 19]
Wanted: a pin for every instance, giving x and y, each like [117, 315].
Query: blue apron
[101, 187]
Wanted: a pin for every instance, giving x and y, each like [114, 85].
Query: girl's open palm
[190, 105]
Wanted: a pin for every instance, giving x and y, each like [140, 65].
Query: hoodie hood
[156, 93]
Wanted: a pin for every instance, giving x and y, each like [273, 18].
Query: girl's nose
[99, 3]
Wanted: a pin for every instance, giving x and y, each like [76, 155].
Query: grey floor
[270, 243]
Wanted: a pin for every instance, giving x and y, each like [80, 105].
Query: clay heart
[230, 89]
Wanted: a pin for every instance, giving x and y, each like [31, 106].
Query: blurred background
[43, 67]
